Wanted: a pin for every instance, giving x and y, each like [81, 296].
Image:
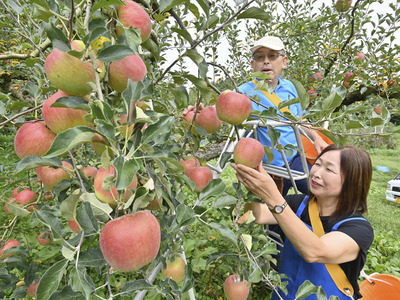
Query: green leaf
[166, 5]
[92, 257]
[303, 95]
[351, 124]
[81, 281]
[51, 280]
[255, 276]
[16, 210]
[188, 281]
[100, 210]
[103, 3]
[114, 53]
[35, 161]
[332, 101]
[254, 13]
[201, 84]
[57, 37]
[72, 102]
[214, 188]
[224, 201]
[183, 33]
[307, 289]
[68, 207]
[377, 121]
[204, 4]
[164, 125]
[86, 219]
[211, 21]
[136, 285]
[226, 232]
[67, 294]
[181, 97]
[132, 92]
[183, 214]
[49, 219]
[126, 170]
[194, 56]
[70, 138]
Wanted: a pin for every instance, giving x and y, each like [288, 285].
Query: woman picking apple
[326, 237]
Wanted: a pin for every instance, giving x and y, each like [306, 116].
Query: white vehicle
[393, 189]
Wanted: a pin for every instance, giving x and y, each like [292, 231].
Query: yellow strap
[274, 99]
[336, 272]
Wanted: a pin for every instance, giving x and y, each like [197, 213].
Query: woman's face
[326, 177]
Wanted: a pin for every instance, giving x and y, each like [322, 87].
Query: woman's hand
[260, 183]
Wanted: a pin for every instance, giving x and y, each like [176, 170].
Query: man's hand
[192, 108]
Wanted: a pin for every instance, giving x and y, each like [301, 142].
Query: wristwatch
[278, 208]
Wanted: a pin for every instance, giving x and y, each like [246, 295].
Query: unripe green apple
[132, 14]
[233, 108]
[248, 152]
[130, 67]
[130, 242]
[175, 269]
[33, 139]
[208, 119]
[201, 177]
[235, 289]
[59, 119]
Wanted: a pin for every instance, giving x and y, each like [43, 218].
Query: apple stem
[79, 175]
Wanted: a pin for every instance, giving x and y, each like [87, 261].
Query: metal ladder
[285, 171]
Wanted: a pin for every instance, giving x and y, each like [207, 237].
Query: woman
[339, 184]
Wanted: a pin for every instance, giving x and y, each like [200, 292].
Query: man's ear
[252, 64]
[284, 62]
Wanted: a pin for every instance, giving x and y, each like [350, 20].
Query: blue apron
[298, 270]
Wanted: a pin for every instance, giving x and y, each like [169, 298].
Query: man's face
[270, 62]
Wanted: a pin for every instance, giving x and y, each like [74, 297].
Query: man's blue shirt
[285, 90]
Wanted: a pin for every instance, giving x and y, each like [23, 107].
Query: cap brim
[255, 48]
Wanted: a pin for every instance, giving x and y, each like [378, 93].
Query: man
[269, 57]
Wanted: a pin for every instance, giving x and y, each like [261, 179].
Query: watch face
[278, 209]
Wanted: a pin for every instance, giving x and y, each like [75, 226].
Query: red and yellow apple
[312, 93]
[208, 119]
[188, 163]
[235, 289]
[248, 152]
[26, 196]
[59, 119]
[44, 238]
[74, 226]
[8, 245]
[130, 242]
[33, 139]
[317, 76]
[201, 177]
[89, 171]
[175, 269]
[130, 67]
[232, 107]
[133, 15]
[51, 176]
[31, 290]
[111, 196]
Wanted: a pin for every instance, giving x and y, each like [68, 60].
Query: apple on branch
[130, 242]
[188, 163]
[232, 107]
[248, 152]
[8, 245]
[201, 177]
[235, 289]
[51, 176]
[26, 196]
[33, 139]
[175, 269]
[208, 119]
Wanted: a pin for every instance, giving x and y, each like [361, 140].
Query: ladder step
[283, 172]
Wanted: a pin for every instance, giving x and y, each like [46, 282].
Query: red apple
[8, 245]
[78, 45]
[71, 75]
[17, 190]
[175, 269]
[132, 14]
[131, 241]
[33, 139]
[359, 56]
[44, 238]
[317, 76]
[31, 290]
[188, 163]
[111, 197]
[349, 76]
[313, 94]
[59, 119]
[26, 196]
[208, 119]
[342, 5]
[248, 152]
[346, 84]
[130, 67]
[74, 226]
[232, 107]
[201, 177]
[235, 289]
[51, 176]
[5, 205]
[90, 172]
[378, 110]
[392, 82]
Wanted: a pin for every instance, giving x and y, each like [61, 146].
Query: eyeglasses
[260, 57]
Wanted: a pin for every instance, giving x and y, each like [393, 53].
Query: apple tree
[94, 92]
